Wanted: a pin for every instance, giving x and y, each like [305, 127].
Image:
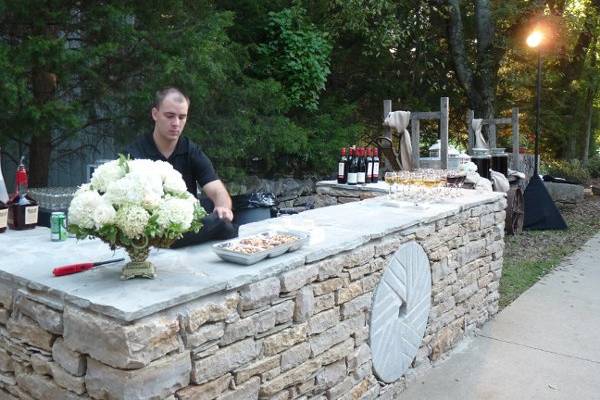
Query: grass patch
[533, 254]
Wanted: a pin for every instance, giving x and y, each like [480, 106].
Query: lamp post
[534, 40]
[540, 211]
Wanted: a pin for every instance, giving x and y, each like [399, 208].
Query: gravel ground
[532, 254]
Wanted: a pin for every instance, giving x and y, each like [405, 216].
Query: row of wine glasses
[423, 185]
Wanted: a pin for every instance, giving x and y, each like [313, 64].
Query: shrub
[572, 170]
[593, 166]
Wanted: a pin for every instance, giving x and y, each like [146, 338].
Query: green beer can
[58, 229]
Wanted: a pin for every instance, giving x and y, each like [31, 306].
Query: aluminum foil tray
[223, 249]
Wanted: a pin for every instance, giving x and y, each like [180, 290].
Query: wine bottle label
[360, 178]
[352, 178]
[370, 169]
[341, 166]
[375, 169]
[31, 215]
[3, 218]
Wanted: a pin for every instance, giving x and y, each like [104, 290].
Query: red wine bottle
[353, 168]
[342, 176]
[22, 209]
[369, 177]
[375, 176]
[3, 201]
[362, 167]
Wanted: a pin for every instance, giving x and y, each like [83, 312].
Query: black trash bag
[550, 178]
[253, 207]
[253, 200]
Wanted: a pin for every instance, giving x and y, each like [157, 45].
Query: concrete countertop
[28, 257]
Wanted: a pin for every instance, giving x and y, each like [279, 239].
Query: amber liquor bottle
[22, 209]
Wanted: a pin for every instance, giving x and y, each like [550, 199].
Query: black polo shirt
[187, 158]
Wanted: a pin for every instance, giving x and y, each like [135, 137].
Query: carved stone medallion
[400, 311]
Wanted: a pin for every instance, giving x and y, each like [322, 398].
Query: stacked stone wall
[298, 335]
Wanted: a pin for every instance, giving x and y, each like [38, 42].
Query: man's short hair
[163, 93]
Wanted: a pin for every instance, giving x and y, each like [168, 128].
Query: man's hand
[216, 191]
[224, 213]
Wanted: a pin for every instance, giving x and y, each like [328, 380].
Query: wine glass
[390, 179]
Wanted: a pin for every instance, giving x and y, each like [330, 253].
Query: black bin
[252, 207]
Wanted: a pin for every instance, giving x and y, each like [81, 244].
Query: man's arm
[215, 190]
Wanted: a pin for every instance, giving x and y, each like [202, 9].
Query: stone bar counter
[377, 296]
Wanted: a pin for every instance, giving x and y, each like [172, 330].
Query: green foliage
[296, 54]
[572, 170]
[593, 166]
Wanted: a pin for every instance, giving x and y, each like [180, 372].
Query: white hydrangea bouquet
[135, 204]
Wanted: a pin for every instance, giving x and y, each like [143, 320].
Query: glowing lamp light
[535, 38]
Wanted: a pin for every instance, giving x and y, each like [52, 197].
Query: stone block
[239, 330]
[289, 378]
[259, 367]
[247, 391]
[360, 256]
[24, 328]
[328, 286]
[210, 309]
[369, 282]
[337, 352]
[445, 339]
[6, 362]
[295, 356]
[295, 279]
[66, 380]
[204, 334]
[207, 391]
[72, 361]
[4, 315]
[324, 302]
[6, 295]
[160, 379]
[565, 192]
[329, 338]
[47, 318]
[285, 339]
[284, 312]
[359, 357]
[41, 364]
[331, 267]
[42, 387]
[358, 305]
[259, 294]
[340, 389]
[305, 304]
[128, 346]
[224, 360]
[387, 245]
[332, 374]
[358, 272]
[323, 321]
[345, 199]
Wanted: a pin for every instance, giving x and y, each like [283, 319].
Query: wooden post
[492, 134]
[415, 139]
[387, 108]
[515, 138]
[471, 134]
[444, 111]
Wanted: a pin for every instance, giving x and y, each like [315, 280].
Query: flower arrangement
[135, 204]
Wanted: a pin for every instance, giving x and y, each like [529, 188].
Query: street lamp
[540, 211]
[534, 40]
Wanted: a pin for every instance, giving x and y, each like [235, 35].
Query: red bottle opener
[75, 268]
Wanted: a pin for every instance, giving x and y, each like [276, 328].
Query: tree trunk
[589, 109]
[40, 147]
[479, 86]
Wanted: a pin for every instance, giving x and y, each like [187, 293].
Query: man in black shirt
[166, 143]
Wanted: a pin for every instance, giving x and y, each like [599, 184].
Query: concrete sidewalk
[546, 345]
